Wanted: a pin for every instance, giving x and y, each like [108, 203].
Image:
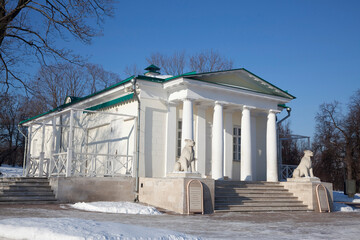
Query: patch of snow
[342, 207]
[340, 197]
[10, 171]
[74, 229]
[116, 207]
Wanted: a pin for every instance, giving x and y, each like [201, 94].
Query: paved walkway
[287, 225]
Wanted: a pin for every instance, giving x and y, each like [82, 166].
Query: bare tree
[131, 70]
[54, 82]
[30, 28]
[13, 109]
[208, 61]
[174, 64]
[337, 141]
[99, 78]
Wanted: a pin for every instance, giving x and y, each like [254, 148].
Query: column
[53, 147]
[187, 121]
[217, 142]
[271, 150]
[28, 155]
[228, 144]
[200, 144]
[70, 145]
[253, 148]
[246, 152]
[170, 148]
[42, 153]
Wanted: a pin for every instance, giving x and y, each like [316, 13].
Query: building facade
[137, 128]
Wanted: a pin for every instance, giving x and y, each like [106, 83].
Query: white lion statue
[305, 167]
[187, 158]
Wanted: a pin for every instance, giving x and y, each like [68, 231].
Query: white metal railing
[82, 164]
[286, 171]
[58, 164]
[95, 164]
[37, 166]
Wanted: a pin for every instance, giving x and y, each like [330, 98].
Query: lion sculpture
[305, 167]
[187, 158]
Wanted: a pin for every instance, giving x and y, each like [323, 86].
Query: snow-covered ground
[9, 171]
[116, 207]
[74, 228]
[340, 197]
[123, 220]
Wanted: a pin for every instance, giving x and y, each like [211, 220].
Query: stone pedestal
[304, 189]
[184, 175]
[304, 179]
[170, 192]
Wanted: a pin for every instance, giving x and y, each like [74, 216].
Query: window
[178, 137]
[237, 144]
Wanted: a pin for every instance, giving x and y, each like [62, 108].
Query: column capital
[274, 111]
[219, 103]
[187, 99]
[248, 107]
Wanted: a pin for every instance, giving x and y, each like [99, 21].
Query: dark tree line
[337, 142]
[50, 87]
[179, 63]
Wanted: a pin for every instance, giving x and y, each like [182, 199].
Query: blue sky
[310, 47]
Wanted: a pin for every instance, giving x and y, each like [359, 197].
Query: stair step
[23, 184]
[261, 204]
[29, 202]
[23, 179]
[27, 198]
[21, 193]
[26, 191]
[256, 199]
[262, 209]
[235, 196]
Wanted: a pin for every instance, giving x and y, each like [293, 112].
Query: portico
[220, 121]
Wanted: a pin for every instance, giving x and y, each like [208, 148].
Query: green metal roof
[77, 100]
[152, 68]
[112, 102]
[191, 75]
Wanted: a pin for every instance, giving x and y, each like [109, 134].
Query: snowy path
[306, 225]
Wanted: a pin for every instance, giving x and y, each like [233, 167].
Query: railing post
[68, 162]
[41, 164]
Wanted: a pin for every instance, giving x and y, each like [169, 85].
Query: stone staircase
[237, 196]
[26, 191]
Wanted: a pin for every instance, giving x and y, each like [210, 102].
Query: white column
[170, 147]
[28, 155]
[187, 121]
[217, 142]
[228, 144]
[271, 148]
[42, 153]
[200, 144]
[53, 146]
[70, 145]
[246, 149]
[253, 148]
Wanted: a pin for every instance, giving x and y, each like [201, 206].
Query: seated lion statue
[187, 158]
[305, 167]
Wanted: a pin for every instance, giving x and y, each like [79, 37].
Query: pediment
[242, 79]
